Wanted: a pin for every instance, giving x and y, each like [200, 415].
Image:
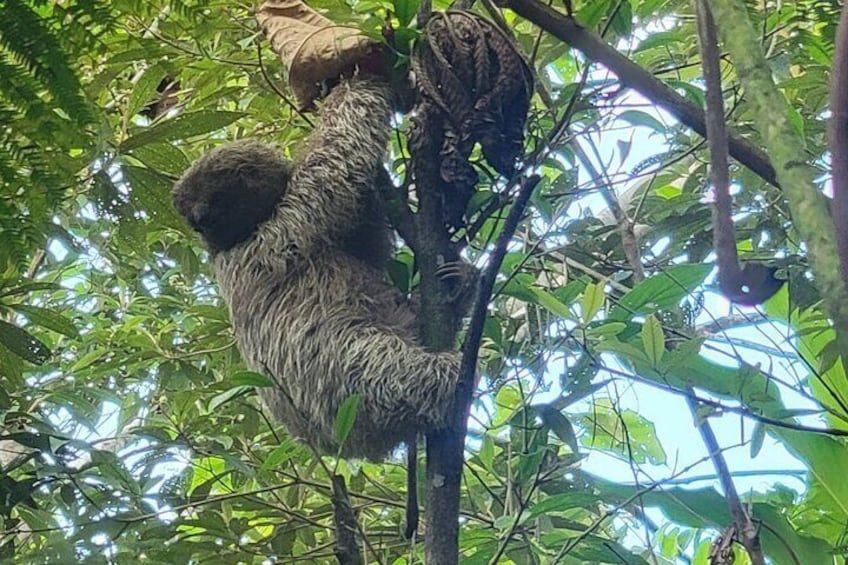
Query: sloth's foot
[463, 279]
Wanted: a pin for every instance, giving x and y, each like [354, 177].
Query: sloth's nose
[199, 216]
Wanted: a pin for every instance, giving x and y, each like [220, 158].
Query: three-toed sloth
[299, 253]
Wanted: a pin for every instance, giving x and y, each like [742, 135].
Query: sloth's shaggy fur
[299, 254]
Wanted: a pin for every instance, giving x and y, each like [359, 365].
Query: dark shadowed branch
[344, 520]
[755, 283]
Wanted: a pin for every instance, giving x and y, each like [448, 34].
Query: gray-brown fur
[306, 289]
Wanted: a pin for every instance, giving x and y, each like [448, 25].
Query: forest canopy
[627, 411]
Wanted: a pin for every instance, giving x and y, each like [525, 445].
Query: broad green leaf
[639, 118]
[621, 18]
[563, 503]
[405, 10]
[683, 352]
[592, 301]
[151, 192]
[661, 291]
[183, 126]
[280, 454]
[826, 458]
[487, 451]
[249, 378]
[551, 303]
[145, 89]
[23, 344]
[661, 39]
[164, 157]
[560, 426]
[624, 432]
[606, 329]
[346, 416]
[88, 359]
[229, 395]
[758, 436]
[653, 340]
[622, 349]
[706, 508]
[668, 191]
[507, 401]
[690, 91]
[47, 319]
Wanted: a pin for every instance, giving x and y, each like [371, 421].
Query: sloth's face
[227, 194]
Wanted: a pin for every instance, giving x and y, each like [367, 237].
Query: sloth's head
[229, 192]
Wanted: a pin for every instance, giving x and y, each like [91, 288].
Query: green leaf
[690, 91]
[592, 301]
[163, 157]
[487, 451]
[405, 10]
[622, 349]
[507, 401]
[145, 89]
[28, 36]
[151, 192]
[683, 352]
[346, 416]
[550, 303]
[653, 340]
[249, 378]
[560, 426]
[22, 344]
[661, 39]
[280, 454]
[621, 18]
[47, 319]
[644, 119]
[668, 191]
[563, 503]
[624, 432]
[183, 126]
[87, 359]
[236, 392]
[661, 291]
[758, 436]
[606, 329]
[24, 288]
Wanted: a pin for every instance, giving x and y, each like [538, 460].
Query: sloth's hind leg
[403, 382]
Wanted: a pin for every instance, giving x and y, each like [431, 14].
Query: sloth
[299, 252]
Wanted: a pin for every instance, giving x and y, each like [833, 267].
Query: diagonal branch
[633, 76]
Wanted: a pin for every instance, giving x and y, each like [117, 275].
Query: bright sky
[669, 412]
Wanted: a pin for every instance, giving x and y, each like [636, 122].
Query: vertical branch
[730, 276]
[771, 114]
[755, 283]
[433, 246]
[344, 520]
[839, 140]
[724, 232]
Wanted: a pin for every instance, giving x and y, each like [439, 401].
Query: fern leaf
[32, 44]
